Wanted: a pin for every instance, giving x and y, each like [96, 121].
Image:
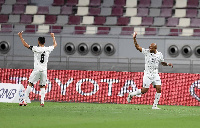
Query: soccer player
[41, 55]
[151, 76]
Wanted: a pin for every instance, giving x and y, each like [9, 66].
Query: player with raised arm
[151, 75]
[41, 55]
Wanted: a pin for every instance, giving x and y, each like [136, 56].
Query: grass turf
[88, 115]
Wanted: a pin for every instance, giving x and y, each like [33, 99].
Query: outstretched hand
[170, 65]
[52, 34]
[20, 33]
[134, 34]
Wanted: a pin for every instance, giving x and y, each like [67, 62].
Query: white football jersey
[152, 62]
[41, 55]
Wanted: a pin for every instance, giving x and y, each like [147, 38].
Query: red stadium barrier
[108, 86]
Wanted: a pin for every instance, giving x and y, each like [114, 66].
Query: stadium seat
[14, 18]
[88, 20]
[156, 3]
[4, 18]
[166, 12]
[79, 29]
[180, 3]
[119, 3]
[150, 31]
[142, 12]
[135, 21]
[82, 11]
[184, 22]
[66, 10]
[43, 10]
[99, 20]
[6, 28]
[191, 13]
[58, 2]
[131, 12]
[62, 20]
[68, 29]
[131, 3]
[18, 9]
[50, 19]
[54, 10]
[31, 28]
[43, 29]
[154, 12]
[186, 32]
[55, 29]
[168, 3]
[6, 9]
[95, 3]
[74, 20]
[38, 19]
[83, 2]
[2, 2]
[117, 11]
[25, 2]
[115, 30]
[180, 13]
[111, 21]
[127, 30]
[192, 3]
[175, 32]
[105, 11]
[144, 3]
[196, 32]
[91, 30]
[93, 11]
[26, 19]
[195, 23]
[159, 21]
[172, 22]
[10, 2]
[31, 9]
[71, 2]
[107, 3]
[163, 31]
[123, 21]
[103, 30]
[147, 21]
[139, 30]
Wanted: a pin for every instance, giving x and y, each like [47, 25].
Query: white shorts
[38, 75]
[154, 81]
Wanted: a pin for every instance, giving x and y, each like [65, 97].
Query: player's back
[41, 55]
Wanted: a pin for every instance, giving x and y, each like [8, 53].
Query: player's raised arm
[135, 42]
[167, 64]
[22, 39]
[54, 40]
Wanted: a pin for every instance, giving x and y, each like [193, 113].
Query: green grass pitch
[92, 115]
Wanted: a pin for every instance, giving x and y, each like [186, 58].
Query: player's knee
[144, 90]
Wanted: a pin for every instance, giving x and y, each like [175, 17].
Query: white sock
[138, 92]
[42, 95]
[28, 90]
[157, 98]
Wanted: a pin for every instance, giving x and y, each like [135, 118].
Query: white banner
[12, 93]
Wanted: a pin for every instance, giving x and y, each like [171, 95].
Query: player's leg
[34, 77]
[157, 85]
[43, 79]
[145, 88]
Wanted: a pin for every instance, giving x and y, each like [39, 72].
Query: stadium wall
[107, 86]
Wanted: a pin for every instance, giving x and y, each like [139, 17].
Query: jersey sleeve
[33, 48]
[50, 48]
[161, 58]
[144, 51]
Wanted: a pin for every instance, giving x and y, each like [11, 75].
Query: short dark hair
[41, 40]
